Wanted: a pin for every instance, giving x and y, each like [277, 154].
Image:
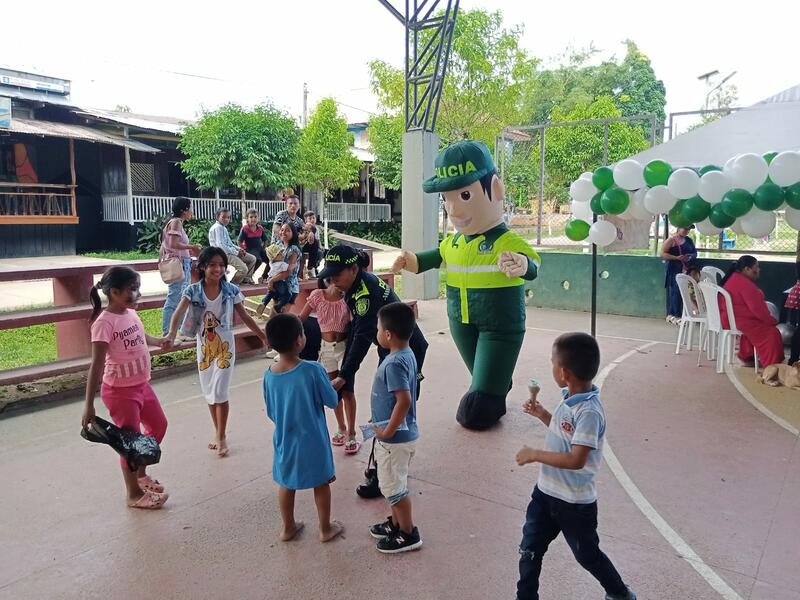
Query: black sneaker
[629, 596]
[382, 530]
[399, 541]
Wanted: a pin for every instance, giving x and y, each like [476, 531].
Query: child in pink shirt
[120, 356]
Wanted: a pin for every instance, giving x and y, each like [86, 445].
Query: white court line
[745, 393]
[610, 337]
[648, 510]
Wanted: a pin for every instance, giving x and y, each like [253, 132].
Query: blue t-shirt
[398, 371]
[295, 402]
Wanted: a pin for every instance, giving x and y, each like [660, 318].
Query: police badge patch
[362, 306]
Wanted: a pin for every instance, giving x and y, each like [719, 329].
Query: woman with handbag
[175, 263]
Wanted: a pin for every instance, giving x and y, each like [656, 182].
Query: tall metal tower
[426, 56]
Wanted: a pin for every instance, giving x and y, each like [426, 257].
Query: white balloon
[737, 227]
[749, 171]
[683, 183]
[636, 208]
[706, 227]
[629, 174]
[784, 170]
[582, 190]
[713, 186]
[729, 164]
[792, 216]
[582, 211]
[602, 233]
[586, 175]
[758, 223]
[658, 200]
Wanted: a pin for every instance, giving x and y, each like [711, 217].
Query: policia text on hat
[486, 266]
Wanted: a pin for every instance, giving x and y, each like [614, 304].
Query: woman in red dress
[752, 316]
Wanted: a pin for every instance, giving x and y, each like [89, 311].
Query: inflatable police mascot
[487, 266]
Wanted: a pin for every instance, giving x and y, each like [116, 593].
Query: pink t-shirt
[332, 316]
[127, 359]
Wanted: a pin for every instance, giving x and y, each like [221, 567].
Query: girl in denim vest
[211, 303]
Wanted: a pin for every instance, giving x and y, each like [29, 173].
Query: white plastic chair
[712, 274]
[730, 337]
[691, 314]
[713, 321]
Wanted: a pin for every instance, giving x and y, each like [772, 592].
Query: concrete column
[420, 210]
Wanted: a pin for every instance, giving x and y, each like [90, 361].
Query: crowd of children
[296, 393]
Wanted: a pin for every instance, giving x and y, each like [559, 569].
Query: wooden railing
[142, 208]
[32, 203]
[348, 212]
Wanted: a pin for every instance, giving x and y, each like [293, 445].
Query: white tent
[770, 125]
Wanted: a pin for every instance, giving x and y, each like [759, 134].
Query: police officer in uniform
[364, 294]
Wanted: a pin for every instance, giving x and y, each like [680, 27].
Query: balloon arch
[743, 194]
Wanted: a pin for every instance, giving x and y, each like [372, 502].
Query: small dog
[781, 374]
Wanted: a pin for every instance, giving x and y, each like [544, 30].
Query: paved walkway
[700, 503]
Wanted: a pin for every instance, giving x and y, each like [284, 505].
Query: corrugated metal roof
[76, 132]
[151, 122]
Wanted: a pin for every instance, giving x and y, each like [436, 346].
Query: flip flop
[337, 439]
[352, 447]
[150, 501]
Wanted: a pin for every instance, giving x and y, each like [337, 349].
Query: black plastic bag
[137, 449]
[370, 488]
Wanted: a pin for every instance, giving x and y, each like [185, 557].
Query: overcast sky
[131, 53]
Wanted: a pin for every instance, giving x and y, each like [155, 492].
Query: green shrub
[383, 233]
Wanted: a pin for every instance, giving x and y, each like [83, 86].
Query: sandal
[337, 439]
[149, 500]
[148, 484]
[352, 446]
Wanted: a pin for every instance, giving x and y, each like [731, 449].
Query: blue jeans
[174, 293]
[281, 294]
[545, 519]
[674, 301]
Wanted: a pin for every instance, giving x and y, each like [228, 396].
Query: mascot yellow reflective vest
[487, 266]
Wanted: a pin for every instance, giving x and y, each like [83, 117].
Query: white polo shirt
[577, 420]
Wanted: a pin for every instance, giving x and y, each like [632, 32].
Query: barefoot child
[295, 393]
[334, 317]
[394, 402]
[211, 303]
[565, 497]
[121, 358]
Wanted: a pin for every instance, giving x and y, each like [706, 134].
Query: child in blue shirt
[394, 403]
[296, 392]
[565, 498]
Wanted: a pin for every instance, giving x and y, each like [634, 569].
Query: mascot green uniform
[486, 266]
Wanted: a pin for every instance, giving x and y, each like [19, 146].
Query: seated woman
[753, 318]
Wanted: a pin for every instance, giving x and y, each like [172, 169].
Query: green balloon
[603, 178]
[657, 172]
[676, 216]
[708, 168]
[768, 197]
[719, 218]
[792, 195]
[769, 156]
[737, 203]
[615, 201]
[596, 205]
[577, 230]
[696, 209]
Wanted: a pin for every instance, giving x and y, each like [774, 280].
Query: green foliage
[385, 133]
[484, 83]
[249, 149]
[148, 233]
[383, 233]
[122, 255]
[324, 160]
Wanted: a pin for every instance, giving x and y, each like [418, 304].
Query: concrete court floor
[722, 476]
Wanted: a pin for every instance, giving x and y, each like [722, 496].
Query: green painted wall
[628, 285]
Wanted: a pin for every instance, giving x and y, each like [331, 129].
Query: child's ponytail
[94, 298]
[118, 278]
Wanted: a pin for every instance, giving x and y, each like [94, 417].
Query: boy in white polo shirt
[565, 497]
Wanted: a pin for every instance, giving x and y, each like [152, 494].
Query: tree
[324, 160]
[385, 133]
[637, 91]
[484, 81]
[250, 149]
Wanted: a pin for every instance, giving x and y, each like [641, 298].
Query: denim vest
[194, 318]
